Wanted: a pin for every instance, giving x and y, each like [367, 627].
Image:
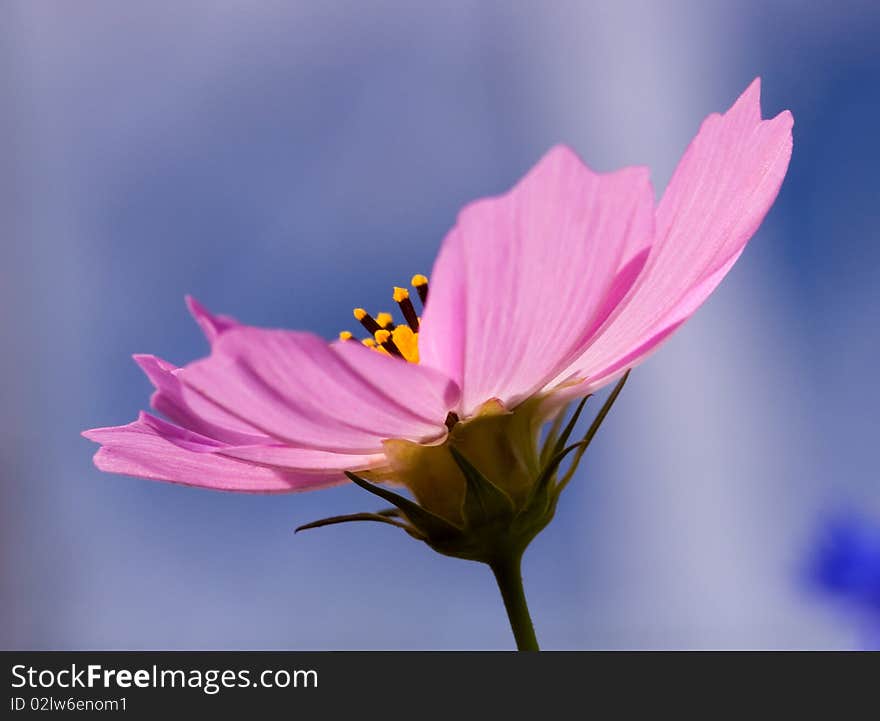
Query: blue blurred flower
[846, 564]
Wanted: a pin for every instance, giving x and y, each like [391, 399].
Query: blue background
[286, 161]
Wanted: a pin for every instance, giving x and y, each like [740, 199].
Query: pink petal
[523, 280]
[303, 459]
[211, 325]
[192, 410]
[307, 393]
[416, 390]
[151, 448]
[721, 190]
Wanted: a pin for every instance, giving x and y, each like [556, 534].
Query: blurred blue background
[286, 161]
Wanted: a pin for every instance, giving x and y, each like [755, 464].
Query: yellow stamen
[420, 283]
[401, 296]
[366, 320]
[384, 319]
[383, 338]
[400, 341]
[407, 343]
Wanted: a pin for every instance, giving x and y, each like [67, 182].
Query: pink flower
[538, 296]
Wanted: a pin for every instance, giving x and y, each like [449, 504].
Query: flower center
[386, 336]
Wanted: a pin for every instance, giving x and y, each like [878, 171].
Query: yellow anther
[420, 283]
[384, 319]
[407, 342]
[403, 332]
[400, 341]
[401, 295]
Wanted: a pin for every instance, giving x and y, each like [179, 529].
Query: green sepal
[380, 517]
[429, 524]
[483, 502]
[492, 521]
[544, 481]
[591, 432]
[552, 434]
[544, 488]
[559, 443]
[393, 512]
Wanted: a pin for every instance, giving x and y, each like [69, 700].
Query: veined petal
[190, 409]
[684, 309]
[522, 280]
[157, 450]
[417, 390]
[307, 393]
[303, 459]
[720, 192]
[211, 325]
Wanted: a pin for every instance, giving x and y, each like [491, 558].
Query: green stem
[509, 577]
